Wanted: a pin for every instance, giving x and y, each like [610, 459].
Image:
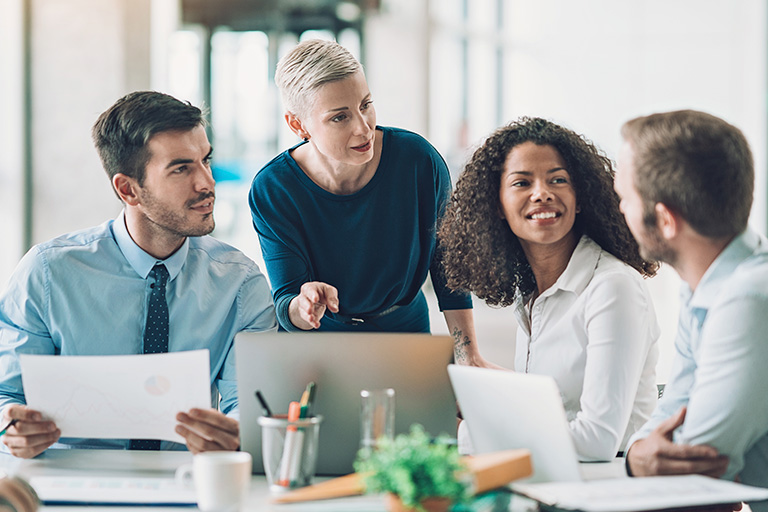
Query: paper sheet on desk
[639, 494]
[117, 397]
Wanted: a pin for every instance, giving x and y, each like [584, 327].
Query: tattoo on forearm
[460, 344]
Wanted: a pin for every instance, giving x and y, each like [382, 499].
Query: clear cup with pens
[289, 444]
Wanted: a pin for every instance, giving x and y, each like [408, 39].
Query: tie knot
[160, 273]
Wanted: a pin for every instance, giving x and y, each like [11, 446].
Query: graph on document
[117, 396]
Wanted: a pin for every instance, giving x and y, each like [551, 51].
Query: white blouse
[594, 331]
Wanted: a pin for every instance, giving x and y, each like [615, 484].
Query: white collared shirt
[594, 331]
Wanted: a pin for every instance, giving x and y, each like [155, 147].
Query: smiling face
[537, 198]
[341, 123]
[177, 196]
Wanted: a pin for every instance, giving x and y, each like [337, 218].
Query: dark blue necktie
[155, 334]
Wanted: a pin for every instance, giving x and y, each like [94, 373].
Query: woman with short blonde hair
[347, 217]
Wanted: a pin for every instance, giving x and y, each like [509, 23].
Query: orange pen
[294, 410]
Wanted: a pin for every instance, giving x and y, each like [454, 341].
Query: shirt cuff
[282, 307]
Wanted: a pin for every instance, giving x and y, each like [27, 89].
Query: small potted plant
[420, 474]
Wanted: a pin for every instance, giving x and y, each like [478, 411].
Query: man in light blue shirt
[87, 292]
[686, 181]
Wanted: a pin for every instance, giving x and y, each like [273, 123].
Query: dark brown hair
[122, 132]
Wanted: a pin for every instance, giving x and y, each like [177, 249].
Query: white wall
[396, 64]
[78, 69]
[85, 54]
[590, 65]
[594, 64]
[11, 148]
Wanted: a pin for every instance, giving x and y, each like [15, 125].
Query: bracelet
[626, 466]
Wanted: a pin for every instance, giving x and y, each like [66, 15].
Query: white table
[116, 463]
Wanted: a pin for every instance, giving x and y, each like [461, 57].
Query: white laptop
[280, 365]
[506, 410]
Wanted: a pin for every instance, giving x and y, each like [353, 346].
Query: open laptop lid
[506, 410]
[342, 364]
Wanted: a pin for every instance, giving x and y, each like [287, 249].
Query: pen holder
[289, 449]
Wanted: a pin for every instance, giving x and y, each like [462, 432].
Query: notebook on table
[112, 490]
[509, 410]
[280, 365]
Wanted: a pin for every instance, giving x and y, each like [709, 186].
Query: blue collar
[142, 262]
[709, 287]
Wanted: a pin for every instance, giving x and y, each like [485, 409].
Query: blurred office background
[451, 70]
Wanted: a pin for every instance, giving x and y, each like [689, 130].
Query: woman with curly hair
[534, 223]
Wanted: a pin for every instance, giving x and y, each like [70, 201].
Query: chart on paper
[133, 396]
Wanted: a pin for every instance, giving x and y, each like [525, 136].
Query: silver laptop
[280, 365]
[515, 410]
[506, 410]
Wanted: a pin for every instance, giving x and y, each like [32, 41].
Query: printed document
[117, 397]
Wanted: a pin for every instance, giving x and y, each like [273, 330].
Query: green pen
[9, 425]
[306, 408]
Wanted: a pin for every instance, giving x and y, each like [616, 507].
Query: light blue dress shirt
[86, 293]
[719, 368]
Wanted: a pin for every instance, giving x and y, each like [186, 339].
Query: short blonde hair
[308, 66]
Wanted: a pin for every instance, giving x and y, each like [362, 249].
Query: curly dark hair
[481, 254]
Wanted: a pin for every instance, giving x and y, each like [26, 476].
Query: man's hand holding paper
[208, 429]
[115, 397]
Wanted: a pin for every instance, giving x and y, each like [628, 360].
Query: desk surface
[109, 463]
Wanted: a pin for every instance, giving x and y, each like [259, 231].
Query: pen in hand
[9, 425]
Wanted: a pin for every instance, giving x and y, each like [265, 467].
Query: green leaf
[414, 467]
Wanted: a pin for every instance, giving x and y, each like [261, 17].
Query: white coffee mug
[221, 479]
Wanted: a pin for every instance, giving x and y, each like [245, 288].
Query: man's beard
[653, 247]
[174, 222]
